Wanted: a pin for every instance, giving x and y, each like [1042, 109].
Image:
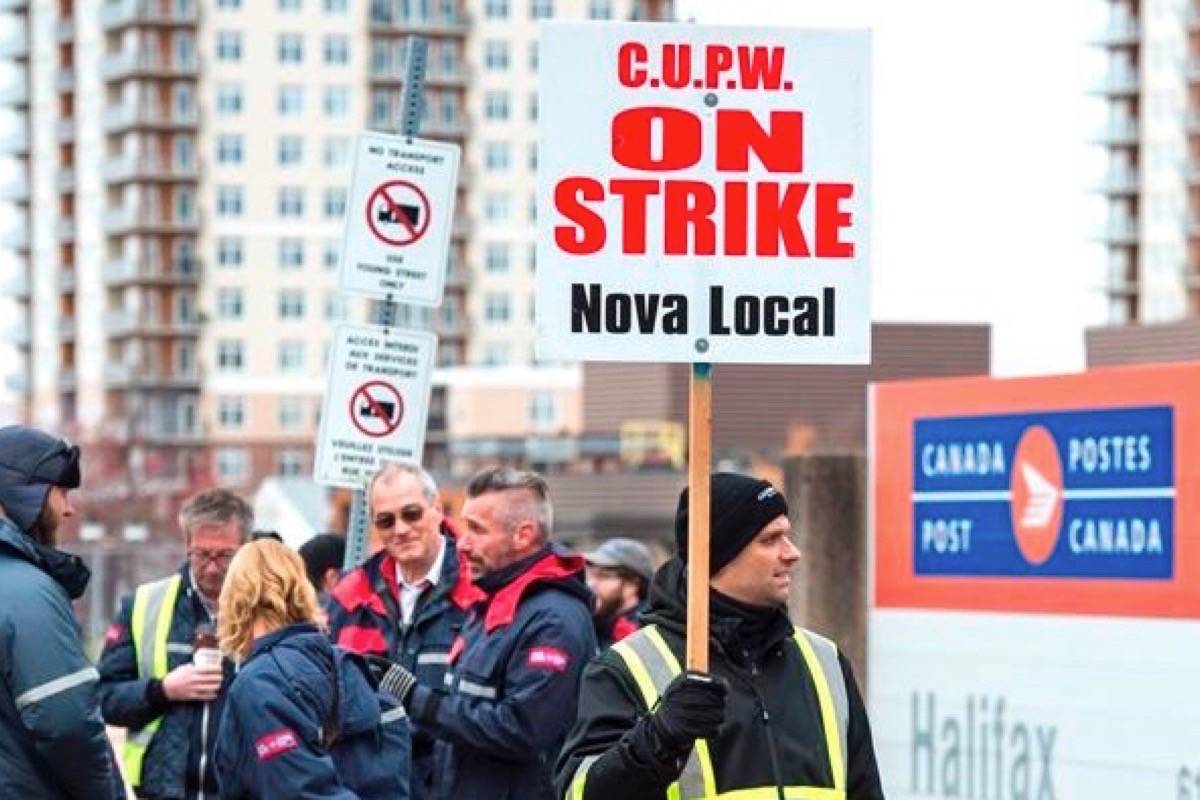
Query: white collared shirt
[411, 592]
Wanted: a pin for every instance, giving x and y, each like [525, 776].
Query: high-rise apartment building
[176, 222]
[1152, 136]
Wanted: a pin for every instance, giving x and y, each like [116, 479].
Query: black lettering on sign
[592, 311]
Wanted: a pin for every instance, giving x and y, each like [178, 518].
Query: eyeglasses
[218, 557]
[409, 515]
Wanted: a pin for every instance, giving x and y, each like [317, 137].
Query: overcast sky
[982, 170]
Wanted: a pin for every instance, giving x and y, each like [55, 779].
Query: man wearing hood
[778, 715]
[509, 698]
[52, 740]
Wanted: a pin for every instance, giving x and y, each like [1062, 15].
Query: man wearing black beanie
[52, 739]
[779, 713]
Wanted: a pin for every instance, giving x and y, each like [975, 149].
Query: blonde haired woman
[302, 718]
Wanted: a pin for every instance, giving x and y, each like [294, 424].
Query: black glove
[691, 708]
[391, 677]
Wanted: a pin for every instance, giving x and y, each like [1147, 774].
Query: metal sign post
[412, 103]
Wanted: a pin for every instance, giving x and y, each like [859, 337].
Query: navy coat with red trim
[510, 698]
[364, 617]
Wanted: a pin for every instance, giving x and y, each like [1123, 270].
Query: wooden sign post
[699, 459]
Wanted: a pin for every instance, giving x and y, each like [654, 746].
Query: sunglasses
[409, 515]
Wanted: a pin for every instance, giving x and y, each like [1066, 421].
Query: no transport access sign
[398, 220]
[376, 402]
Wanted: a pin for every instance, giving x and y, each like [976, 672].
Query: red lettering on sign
[779, 146]
[677, 133]
[631, 59]
[831, 219]
[588, 234]
[634, 196]
[689, 204]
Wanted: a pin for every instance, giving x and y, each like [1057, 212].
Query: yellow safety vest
[653, 666]
[153, 609]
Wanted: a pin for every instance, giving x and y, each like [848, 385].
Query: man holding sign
[779, 711]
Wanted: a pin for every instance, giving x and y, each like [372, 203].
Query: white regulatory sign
[703, 194]
[398, 218]
[376, 401]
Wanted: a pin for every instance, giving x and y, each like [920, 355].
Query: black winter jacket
[784, 747]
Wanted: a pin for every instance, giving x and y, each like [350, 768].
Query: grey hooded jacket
[52, 739]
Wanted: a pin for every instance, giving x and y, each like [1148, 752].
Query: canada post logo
[1079, 494]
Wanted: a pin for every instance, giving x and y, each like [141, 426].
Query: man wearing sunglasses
[159, 676]
[408, 601]
[52, 742]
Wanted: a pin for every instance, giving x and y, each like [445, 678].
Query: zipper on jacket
[203, 750]
[772, 753]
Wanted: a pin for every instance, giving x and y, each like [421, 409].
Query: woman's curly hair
[267, 584]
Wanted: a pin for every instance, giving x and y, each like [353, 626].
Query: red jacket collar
[552, 568]
[463, 593]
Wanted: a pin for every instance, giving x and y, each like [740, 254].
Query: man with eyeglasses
[160, 675]
[408, 601]
[52, 742]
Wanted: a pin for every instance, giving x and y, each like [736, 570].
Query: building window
[233, 465]
[532, 259]
[331, 257]
[496, 206]
[335, 307]
[497, 307]
[496, 156]
[336, 151]
[183, 102]
[229, 148]
[335, 203]
[533, 108]
[229, 252]
[229, 99]
[289, 463]
[291, 304]
[290, 6]
[533, 55]
[541, 9]
[337, 49]
[495, 9]
[231, 5]
[290, 413]
[533, 207]
[533, 160]
[495, 54]
[230, 355]
[290, 202]
[290, 356]
[600, 9]
[336, 6]
[231, 413]
[496, 257]
[291, 254]
[495, 354]
[289, 150]
[495, 105]
[336, 101]
[229, 201]
[291, 100]
[229, 46]
[229, 303]
[543, 410]
[290, 48]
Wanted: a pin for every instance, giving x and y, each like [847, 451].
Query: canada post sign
[1080, 494]
[1064, 494]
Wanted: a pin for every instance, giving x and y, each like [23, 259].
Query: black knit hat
[739, 507]
[32, 461]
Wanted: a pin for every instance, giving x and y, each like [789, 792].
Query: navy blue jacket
[507, 704]
[52, 742]
[178, 763]
[364, 617]
[290, 694]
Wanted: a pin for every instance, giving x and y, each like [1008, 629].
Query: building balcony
[15, 238]
[64, 79]
[126, 220]
[64, 130]
[14, 6]
[66, 328]
[17, 286]
[436, 126]
[64, 229]
[385, 20]
[128, 376]
[15, 190]
[123, 323]
[1117, 232]
[130, 168]
[14, 46]
[17, 334]
[1117, 132]
[1119, 31]
[15, 94]
[123, 272]
[64, 179]
[66, 280]
[64, 29]
[14, 143]
[133, 115]
[446, 78]
[17, 382]
[118, 66]
[124, 13]
[1119, 83]
[1120, 182]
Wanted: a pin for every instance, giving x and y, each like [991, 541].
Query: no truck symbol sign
[376, 408]
[398, 213]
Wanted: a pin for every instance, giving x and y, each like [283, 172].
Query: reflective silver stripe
[661, 673]
[56, 686]
[477, 690]
[448, 679]
[433, 658]
[179, 648]
[156, 595]
[827, 654]
[392, 714]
